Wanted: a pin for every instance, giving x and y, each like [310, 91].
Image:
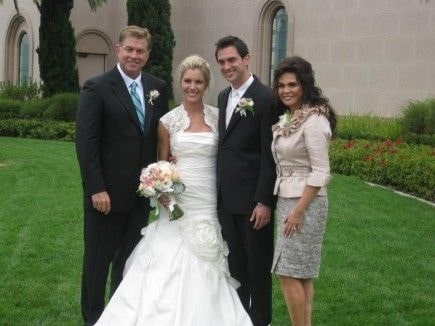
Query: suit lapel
[121, 91]
[149, 107]
[223, 112]
[250, 93]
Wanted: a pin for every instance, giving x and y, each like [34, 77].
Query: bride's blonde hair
[195, 61]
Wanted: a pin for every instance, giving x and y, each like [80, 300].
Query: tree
[155, 16]
[56, 51]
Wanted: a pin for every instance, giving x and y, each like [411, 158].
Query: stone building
[370, 56]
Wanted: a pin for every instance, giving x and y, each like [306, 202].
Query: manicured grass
[377, 264]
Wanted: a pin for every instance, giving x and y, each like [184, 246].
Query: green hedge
[28, 91]
[404, 167]
[39, 129]
[418, 122]
[60, 107]
[9, 108]
[408, 168]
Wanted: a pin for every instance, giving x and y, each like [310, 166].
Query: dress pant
[250, 260]
[108, 239]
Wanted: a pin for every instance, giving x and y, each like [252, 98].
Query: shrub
[37, 129]
[408, 168]
[368, 127]
[9, 108]
[412, 138]
[418, 119]
[24, 92]
[35, 108]
[62, 107]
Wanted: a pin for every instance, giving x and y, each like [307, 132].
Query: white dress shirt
[128, 81]
[234, 98]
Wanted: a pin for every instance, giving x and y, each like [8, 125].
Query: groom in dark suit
[116, 136]
[246, 175]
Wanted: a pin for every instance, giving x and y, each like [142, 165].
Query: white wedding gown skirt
[178, 273]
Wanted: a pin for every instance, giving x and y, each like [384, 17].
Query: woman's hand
[293, 222]
[165, 200]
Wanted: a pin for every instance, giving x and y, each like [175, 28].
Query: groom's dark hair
[227, 41]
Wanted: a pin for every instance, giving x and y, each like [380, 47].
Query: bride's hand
[165, 200]
[172, 159]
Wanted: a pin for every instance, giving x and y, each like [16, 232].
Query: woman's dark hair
[311, 93]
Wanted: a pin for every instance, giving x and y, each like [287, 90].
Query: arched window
[278, 46]
[19, 51]
[274, 38]
[23, 59]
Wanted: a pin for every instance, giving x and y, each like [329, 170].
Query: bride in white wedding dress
[178, 273]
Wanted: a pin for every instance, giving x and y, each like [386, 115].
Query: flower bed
[408, 168]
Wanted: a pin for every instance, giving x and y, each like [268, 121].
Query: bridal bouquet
[158, 179]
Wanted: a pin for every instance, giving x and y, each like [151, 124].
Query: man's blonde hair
[137, 32]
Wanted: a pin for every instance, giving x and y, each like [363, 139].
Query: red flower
[388, 143]
[348, 144]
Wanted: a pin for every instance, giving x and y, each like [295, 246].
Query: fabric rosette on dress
[203, 238]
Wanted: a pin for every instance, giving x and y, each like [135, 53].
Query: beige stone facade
[370, 56]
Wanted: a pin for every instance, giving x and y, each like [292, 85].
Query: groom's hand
[260, 216]
[101, 202]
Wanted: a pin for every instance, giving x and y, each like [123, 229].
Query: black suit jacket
[111, 146]
[246, 170]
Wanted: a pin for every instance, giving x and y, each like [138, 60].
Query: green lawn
[378, 265]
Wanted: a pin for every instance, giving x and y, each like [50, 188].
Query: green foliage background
[56, 51]
[155, 16]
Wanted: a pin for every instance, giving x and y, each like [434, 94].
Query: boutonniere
[245, 104]
[152, 96]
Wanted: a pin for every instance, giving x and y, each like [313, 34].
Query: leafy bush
[423, 139]
[37, 129]
[418, 120]
[408, 168]
[9, 108]
[62, 107]
[35, 108]
[368, 127]
[19, 92]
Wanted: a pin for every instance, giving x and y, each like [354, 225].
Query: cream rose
[204, 239]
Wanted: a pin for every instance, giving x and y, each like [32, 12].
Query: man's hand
[260, 216]
[101, 202]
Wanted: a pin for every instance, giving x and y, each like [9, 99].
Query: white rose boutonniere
[152, 96]
[245, 104]
[286, 120]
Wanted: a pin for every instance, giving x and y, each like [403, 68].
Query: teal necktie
[137, 104]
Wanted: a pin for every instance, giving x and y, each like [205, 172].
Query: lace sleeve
[211, 116]
[175, 120]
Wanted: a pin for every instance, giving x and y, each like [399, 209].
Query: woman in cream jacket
[300, 149]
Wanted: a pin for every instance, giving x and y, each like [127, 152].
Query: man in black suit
[246, 175]
[116, 136]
